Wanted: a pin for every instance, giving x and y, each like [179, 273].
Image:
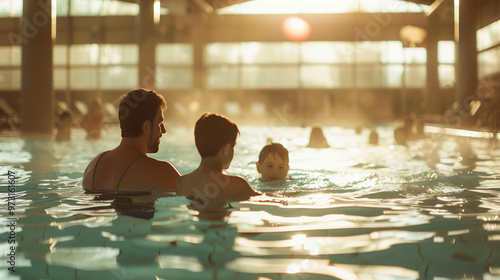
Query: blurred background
[265, 62]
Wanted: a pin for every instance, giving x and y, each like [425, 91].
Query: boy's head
[273, 162]
[213, 132]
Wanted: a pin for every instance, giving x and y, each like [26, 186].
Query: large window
[446, 59]
[488, 45]
[315, 65]
[93, 66]
[10, 67]
[174, 64]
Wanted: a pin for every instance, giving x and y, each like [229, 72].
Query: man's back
[112, 170]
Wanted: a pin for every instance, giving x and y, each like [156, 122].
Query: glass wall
[326, 65]
[246, 65]
[446, 60]
[488, 45]
[10, 67]
[174, 66]
[93, 66]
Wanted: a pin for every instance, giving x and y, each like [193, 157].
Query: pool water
[352, 211]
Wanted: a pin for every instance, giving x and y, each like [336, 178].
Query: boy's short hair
[136, 107]
[212, 132]
[275, 148]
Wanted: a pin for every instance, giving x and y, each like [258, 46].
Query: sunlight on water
[352, 211]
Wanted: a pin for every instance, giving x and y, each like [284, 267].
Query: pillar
[466, 58]
[433, 96]
[147, 45]
[37, 95]
[198, 42]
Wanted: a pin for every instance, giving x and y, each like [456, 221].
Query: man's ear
[146, 126]
[227, 148]
[258, 166]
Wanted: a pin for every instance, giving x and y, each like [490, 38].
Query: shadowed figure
[404, 133]
[93, 122]
[64, 127]
[373, 137]
[317, 138]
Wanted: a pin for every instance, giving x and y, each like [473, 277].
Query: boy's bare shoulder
[239, 188]
[183, 184]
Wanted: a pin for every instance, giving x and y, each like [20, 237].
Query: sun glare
[296, 29]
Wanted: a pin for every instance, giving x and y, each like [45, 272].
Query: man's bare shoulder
[160, 165]
[89, 170]
[162, 171]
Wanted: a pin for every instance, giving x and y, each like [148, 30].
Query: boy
[207, 187]
[273, 162]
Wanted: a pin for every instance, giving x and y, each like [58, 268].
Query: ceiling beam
[434, 6]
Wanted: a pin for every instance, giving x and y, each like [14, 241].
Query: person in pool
[273, 162]
[207, 186]
[317, 138]
[64, 127]
[127, 167]
[93, 122]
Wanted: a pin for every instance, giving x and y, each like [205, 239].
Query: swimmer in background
[64, 127]
[207, 186]
[273, 162]
[93, 122]
[373, 137]
[317, 138]
[405, 133]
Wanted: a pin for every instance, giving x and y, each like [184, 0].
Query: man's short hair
[136, 107]
[212, 132]
[275, 148]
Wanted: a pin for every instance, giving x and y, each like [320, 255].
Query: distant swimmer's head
[215, 135]
[273, 162]
[317, 138]
[141, 113]
[66, 118]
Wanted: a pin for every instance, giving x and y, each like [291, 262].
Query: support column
[147, 45]
[37, 95]
[433, 96]
[198, 42]
[465, 40]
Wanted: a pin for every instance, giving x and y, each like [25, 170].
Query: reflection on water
[352, 211]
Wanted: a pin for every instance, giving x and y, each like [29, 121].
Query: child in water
[207, 187]
[273, 162]
[93, 122]
[64, 127]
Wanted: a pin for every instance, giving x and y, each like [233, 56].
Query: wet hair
[275, 148]
[136, 107]
[66, 115]
[212, 132]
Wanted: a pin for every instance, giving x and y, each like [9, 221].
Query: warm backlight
[296, 29]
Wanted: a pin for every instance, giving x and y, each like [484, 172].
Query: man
[127, 167]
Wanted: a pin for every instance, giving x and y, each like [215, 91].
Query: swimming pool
[352, 211]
